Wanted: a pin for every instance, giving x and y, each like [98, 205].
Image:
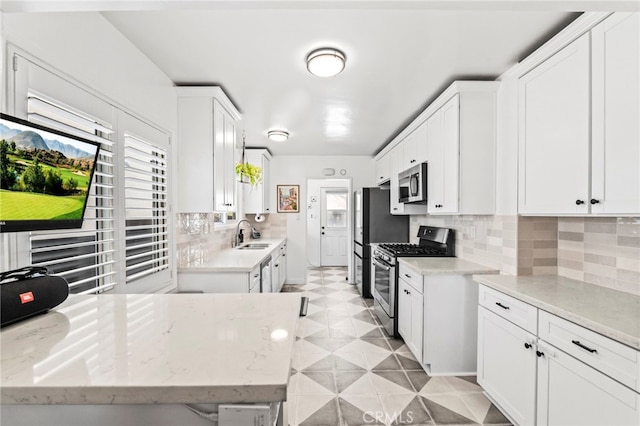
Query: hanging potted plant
[247, 172]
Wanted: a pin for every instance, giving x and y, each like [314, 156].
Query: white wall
[295, 170]
[86, 47]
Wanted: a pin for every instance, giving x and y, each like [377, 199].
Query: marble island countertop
[234, 259]
[152, 349]
[612, 313]
[445, 265]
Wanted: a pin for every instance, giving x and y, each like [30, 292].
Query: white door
[334, 235]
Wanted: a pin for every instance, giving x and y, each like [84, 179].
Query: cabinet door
[275, 273]
[435, 167]
[283, 265]
[230, 162]
[417, 321]
[266, 184]
[415, 147]
[219, 175]
[195, 156]
[404, 311]
[615, 154]
[450, 156]
[395, 206]
[506, 367]
[554, 117]
[382, 169]
[572, 393]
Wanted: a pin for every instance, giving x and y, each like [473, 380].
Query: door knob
[527, 345]
[322, 233]
[594, 201]
[579, 202]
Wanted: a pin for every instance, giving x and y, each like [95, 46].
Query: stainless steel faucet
[235, 240]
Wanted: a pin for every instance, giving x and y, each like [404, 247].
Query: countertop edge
[481, 269]
[612, 333]
[128, 395]
[205, 268]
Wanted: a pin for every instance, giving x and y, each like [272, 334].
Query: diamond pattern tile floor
[348, 372]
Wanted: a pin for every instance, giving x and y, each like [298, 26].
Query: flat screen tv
[45, 176]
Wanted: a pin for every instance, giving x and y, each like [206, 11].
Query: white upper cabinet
[414, 148]
[615, 144]
[383, 168]
[579, 133]
[257, 198]
[224, 159]
[206, 150]
[554, 133]
[456, 137]
[461, 141]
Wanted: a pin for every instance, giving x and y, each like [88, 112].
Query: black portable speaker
[29, 291]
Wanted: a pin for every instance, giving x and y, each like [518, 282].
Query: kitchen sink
[254, 246]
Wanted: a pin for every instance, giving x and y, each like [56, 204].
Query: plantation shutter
[85, 257]
[146, 208]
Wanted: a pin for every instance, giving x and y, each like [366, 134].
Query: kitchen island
[142, 354]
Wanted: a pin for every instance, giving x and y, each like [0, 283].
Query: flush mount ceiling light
[326, 62]
[278, 135]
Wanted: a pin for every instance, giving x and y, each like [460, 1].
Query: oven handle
[377, 263]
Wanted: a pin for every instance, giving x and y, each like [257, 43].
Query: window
[147, 242]
[124, 243]
[84, 257]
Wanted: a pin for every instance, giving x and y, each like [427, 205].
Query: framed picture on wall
[288, 196]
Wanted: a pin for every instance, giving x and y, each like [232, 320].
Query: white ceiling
[398, 60]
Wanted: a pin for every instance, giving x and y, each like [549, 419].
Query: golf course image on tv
[45, 176]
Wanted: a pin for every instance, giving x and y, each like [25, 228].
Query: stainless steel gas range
[433, 242]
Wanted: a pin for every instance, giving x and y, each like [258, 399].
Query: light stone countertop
[235, 260]
[445, 266]
[612, 313]
[152, 349]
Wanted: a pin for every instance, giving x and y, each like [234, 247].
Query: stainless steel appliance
[265, 276]
[373, 223]
[433, 242]
[413, 184]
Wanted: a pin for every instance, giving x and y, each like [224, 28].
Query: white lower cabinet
[506, 367]
[572, 393]
[220, 282]
[583, 378]
[410, 315]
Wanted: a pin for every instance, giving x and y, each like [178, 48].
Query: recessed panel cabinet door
[507, 366]
[572, 393]
[219, 175]
[554, 109]
[616, 107]
[404, 310]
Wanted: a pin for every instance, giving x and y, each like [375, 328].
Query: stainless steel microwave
[413, 185]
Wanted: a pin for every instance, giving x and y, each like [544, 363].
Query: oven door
[383, 277]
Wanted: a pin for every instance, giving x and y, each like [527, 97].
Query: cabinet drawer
[616, 360]
[412, 278]
[521, 314]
